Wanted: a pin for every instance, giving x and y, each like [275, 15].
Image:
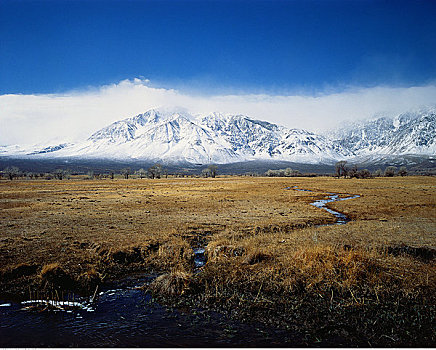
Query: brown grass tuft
[256, 257]
[50, 269]
[171, 284]
[90, 279]
[220, 249]
[175, 253]
[326, 267]
[128, 256]
[53, 276]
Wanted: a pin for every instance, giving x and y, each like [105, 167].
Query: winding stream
[341, 218]
[333, 197]
[124, 316]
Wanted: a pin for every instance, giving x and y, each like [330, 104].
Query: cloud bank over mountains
[72, 116]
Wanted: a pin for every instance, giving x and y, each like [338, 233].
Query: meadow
[271, 256]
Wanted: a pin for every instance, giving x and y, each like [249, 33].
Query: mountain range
[179, 137]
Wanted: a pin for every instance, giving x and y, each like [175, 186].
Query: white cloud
[28, 119]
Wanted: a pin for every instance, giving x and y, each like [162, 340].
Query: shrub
[341, 169]
[402, 171]
[390, 171]
[364, 174]
[11, 172]
[378, 173]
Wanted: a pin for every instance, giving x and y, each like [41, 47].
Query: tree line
[156, 171]
[343, 170]
[288, 172]
[12, 172]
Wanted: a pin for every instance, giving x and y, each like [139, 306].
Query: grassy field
[271, 255]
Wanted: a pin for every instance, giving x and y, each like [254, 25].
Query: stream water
[124, 316]
[341, 218]
[127, 317]
[333, 197]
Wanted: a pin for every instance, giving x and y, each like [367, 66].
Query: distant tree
[151, 172]
[402, 171]
[353, 172]
[212, 170]
[341, 169]
[378, 173]
[155, 171]
[126, 172]
[364, 174]
[205, 172]
[359, 174]
[271, 173]
[58, 174]
[11, 172]
[158, 171]
[276, 172]
[142, 173]
[112, 175]
[288, 172]
[61, 174]
[90, 174]
[390, 171]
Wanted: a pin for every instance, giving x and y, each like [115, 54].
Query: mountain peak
[174, 135]
[411, 132]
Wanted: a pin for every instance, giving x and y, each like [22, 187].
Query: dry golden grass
[171, 284]
[267, 254]
[46, 221]
[84, 223]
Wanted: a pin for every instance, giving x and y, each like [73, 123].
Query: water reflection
[128, 317]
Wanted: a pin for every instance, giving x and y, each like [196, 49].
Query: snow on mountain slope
[154, 136]
[29, 150]
[177, 136]
[408, 133]
[255, 139]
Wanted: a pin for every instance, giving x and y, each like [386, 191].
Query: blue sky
[69, 68]
[227, 46]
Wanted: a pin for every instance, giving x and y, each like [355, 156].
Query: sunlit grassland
[52, 221]
[269, 251]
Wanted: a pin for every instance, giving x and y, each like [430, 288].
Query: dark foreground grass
[334, 296]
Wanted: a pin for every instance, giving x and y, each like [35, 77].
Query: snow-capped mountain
[153, 135]
[255, 139]
[176, 137]
[408, 133]
[181, 137]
